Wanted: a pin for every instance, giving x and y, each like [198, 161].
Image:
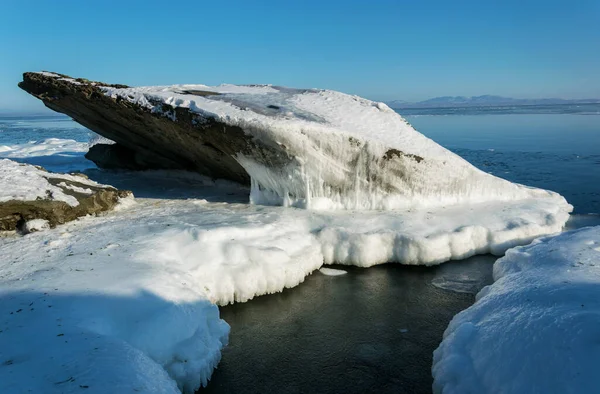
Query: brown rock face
[116, 156]
[188, 142]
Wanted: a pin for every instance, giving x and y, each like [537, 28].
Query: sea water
[558, 151]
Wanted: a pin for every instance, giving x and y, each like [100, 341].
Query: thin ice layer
[322, 149]
[535, 329]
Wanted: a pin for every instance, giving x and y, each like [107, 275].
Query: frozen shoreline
[534, 329]
[122, 275]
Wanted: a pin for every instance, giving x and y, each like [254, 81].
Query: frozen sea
[374, 330]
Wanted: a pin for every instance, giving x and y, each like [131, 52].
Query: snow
[343, 152]
[49, 74]
[535, 329]
[141, 283]
[76, 189]
[25, 182]
[35, 225]
[98, 302]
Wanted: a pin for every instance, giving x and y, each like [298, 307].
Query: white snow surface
[535, 330]
[133, 291]
[35, 225]
[27, 183]
[346, 152]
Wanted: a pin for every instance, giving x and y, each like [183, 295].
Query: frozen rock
[30, 194]
[307, 148]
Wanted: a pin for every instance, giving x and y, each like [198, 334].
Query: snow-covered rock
[307, 148]
[28, 192]
[535, 330]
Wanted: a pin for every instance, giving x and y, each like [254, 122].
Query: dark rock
[188, 142]
[116, 156]
[15, 213]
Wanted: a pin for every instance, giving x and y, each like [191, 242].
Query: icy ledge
[535, 329]
[322, 149]
[128, 300]
[307, 148]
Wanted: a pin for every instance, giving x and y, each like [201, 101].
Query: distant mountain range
[483, 101]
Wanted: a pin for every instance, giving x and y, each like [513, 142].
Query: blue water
[20, 130]
[581, 109]
[557, 150]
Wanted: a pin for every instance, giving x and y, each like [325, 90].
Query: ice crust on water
[94, 310]
[54, 154]
[345, 152]
[48, 147]
[535, 329]
[332, 271]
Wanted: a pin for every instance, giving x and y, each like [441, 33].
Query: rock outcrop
[117, 156]
[307, 148]
[189, 142]
[31, 193]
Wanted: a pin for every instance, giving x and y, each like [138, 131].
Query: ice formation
[535, 329]
[322, 149]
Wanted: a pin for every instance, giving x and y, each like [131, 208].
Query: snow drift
[535, 329]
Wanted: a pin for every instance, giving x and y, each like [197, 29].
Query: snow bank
[535, 329]
[322, 149]
[95, 311]
[24, 182]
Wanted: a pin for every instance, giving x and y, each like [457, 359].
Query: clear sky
[383, 50]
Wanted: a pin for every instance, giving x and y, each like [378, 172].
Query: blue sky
[382, 50]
